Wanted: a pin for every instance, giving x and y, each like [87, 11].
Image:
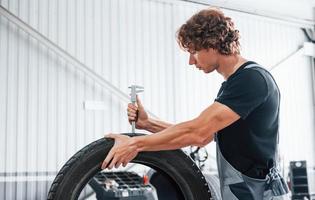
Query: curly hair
[209, 28]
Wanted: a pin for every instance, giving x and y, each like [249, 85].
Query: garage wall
[42, 120]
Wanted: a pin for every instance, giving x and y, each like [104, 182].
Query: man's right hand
[137, 113]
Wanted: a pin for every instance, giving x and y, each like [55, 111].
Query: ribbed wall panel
[42, 120]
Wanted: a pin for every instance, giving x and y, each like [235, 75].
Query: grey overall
[237, 186]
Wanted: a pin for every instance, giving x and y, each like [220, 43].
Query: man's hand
[136, 113]
[123, 151]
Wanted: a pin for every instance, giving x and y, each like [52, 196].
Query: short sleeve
[244, 92]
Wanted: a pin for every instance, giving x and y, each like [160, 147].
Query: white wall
[302, 10]
[42, 122]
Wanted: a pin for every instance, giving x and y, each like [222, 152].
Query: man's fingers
[108, 159]
[139, 102]
[128, 158]
[110, 135]
[111, 153]
[133, 111]
[132, 114]
[132, 107]
[118, 163]
[125, 160]
[131, 119]
[117, 155]
[112, 163]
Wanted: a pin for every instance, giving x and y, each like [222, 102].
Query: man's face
[205, 59]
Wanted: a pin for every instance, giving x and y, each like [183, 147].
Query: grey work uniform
[246, 149]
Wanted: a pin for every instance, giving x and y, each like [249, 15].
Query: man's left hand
[123, 151]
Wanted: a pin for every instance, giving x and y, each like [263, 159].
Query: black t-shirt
[249, 144]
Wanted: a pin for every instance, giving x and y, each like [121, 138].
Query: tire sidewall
[86, 163]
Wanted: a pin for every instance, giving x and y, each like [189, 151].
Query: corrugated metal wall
[42, 120]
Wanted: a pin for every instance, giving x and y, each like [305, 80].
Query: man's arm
[197, 132]
[143, 121]
[155, 126]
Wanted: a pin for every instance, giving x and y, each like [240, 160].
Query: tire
[82, 166]
[165, 187]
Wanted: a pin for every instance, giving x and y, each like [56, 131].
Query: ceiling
[295, 9]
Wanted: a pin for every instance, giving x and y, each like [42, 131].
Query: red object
[145, 179]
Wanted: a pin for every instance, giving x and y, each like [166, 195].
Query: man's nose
[192, 60]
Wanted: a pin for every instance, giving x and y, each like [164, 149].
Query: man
[243, 119]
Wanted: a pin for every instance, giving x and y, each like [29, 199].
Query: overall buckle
[276, 183]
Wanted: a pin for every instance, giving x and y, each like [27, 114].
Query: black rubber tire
[165, 186]
[81, 167]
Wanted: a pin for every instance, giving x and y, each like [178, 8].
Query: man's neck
[229, 64]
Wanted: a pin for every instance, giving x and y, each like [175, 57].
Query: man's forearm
[155, 126]
[174, 137]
